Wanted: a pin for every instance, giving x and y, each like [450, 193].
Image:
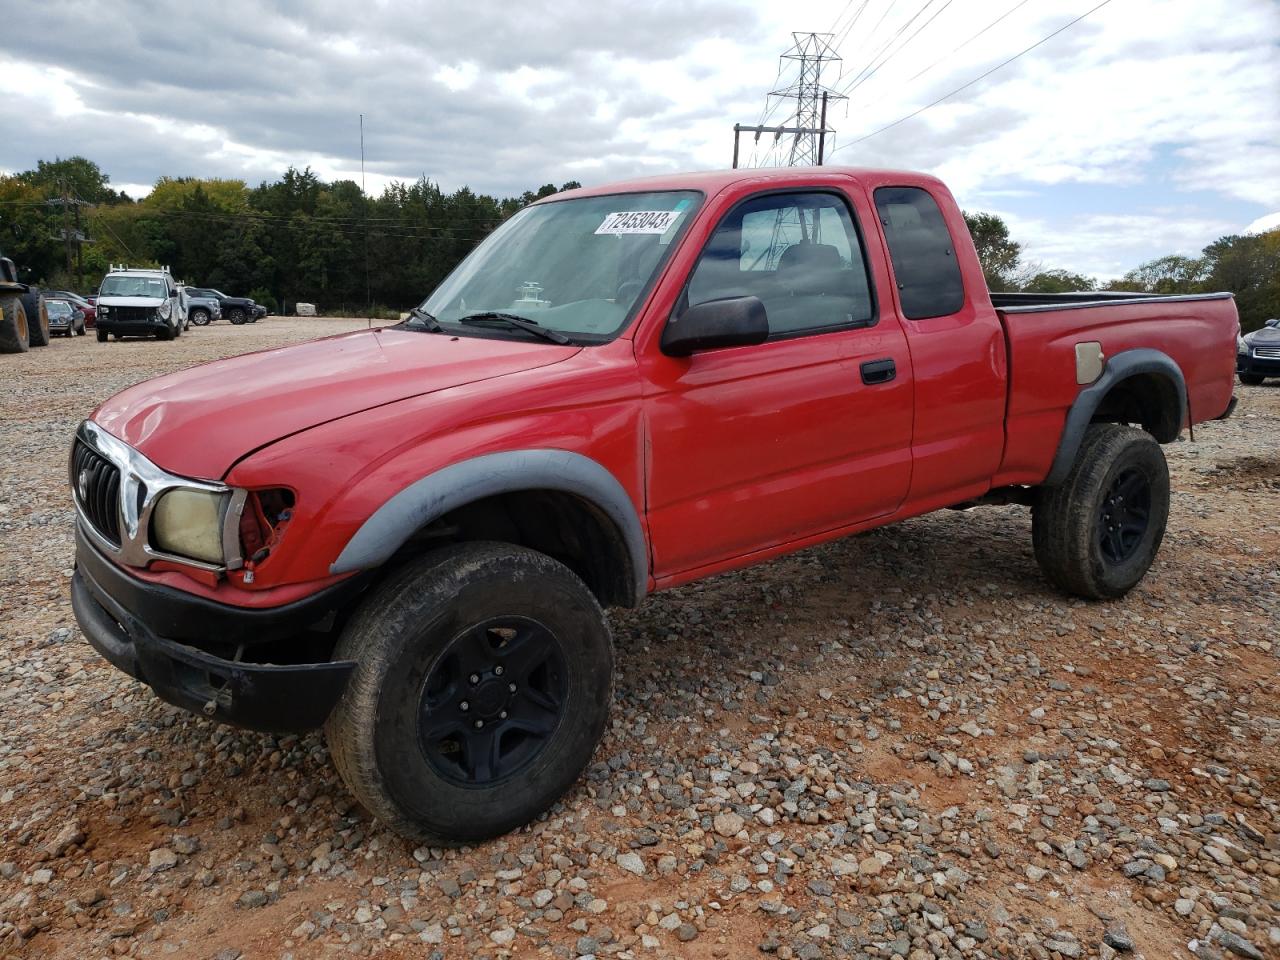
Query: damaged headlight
[190, 523]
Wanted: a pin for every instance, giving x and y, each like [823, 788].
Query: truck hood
[199, 422]
[129, 301]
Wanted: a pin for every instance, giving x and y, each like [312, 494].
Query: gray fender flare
[469, 480]
[1122, 366]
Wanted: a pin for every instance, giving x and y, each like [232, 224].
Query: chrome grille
[96, 482]
[1267, 353]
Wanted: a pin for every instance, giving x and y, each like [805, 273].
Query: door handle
[879, 371]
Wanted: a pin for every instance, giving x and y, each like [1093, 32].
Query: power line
[1019, 5]
[966, 86]
[901, 46]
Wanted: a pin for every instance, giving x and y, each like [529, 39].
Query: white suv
[140, 303]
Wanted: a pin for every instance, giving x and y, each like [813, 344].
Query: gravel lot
[900, 745]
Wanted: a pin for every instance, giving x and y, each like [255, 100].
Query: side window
[799, 253]
[924, 258]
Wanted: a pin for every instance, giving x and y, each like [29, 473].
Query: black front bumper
[1257, 366]
[132, 623]
[133, 328]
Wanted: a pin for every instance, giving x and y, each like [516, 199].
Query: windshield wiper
[420, 317]
[519, 323]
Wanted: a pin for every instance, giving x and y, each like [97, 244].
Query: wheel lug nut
[503, 715]
[464, 706]
[498, 670]
[511, 687]
[474, 678]
[479, 724]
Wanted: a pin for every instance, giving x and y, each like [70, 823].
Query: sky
[1149, 127]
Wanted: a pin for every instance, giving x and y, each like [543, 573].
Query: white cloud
[1269, 222]
[1177, 103]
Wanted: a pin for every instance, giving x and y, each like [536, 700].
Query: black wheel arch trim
[514, 471]
[1120, 367]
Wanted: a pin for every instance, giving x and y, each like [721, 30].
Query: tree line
[301, 239]
[1247, 265]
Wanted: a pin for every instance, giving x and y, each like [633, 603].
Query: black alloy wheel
[1123, 516]
[492, 701]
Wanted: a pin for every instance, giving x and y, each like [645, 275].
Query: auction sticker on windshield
[639, 221]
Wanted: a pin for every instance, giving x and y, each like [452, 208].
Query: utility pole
[811, 54]
[69, 235]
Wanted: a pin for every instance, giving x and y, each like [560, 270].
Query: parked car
[86, 307]
[1258, 354]
[202, 310]
[140, 303]
[408, 535]
[236, 309]
[65, 318]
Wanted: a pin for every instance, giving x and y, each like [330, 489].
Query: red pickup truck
[409, 534]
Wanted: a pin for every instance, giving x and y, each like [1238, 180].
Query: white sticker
[639, 221]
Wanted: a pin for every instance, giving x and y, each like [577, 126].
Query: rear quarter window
[923, 254]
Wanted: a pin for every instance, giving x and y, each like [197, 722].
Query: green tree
[997, 251]
[1059, 281]
[1249, 267]
[1171, 274]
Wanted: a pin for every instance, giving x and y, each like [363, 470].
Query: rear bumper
[133, 624]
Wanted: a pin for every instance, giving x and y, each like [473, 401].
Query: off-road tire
[1069, 521]
[14, 335]
[1251, 379]
[400, 638]
[37, 317]
[237, 315]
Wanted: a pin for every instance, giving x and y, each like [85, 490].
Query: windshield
[574, 266]
[134, 287]
[58, 308]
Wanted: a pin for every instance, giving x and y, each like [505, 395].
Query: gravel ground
[900, 745]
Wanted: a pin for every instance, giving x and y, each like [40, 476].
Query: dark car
[87, 309]
[236, 309]
[65, 318]
[1258, 354]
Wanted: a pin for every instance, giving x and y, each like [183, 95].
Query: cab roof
[711, 182]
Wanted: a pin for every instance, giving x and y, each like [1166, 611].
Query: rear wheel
[14, 333]
[1097, 533]
[1251, 379]
[37, 317]
[482, 685]
[80, 328]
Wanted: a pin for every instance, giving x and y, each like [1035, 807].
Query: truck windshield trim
[581, 267]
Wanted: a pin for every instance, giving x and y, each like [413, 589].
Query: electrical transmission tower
[809, 55]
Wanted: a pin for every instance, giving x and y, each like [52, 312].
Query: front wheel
[1251, 379]
[237, 316]
[200, 317]
[482, 685]
[102, 335]
[1097, 533]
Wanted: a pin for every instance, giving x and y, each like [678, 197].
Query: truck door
[754, 447]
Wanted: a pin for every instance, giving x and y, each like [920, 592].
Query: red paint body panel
[728, 457]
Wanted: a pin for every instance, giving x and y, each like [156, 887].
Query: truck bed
[1197, 331]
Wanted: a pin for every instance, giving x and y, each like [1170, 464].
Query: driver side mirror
[731, 322]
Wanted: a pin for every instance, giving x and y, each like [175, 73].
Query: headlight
[164, 310]
[189, 523]
[103, 311]
[1241, 346]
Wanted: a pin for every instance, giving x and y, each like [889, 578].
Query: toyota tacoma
[409, 535]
